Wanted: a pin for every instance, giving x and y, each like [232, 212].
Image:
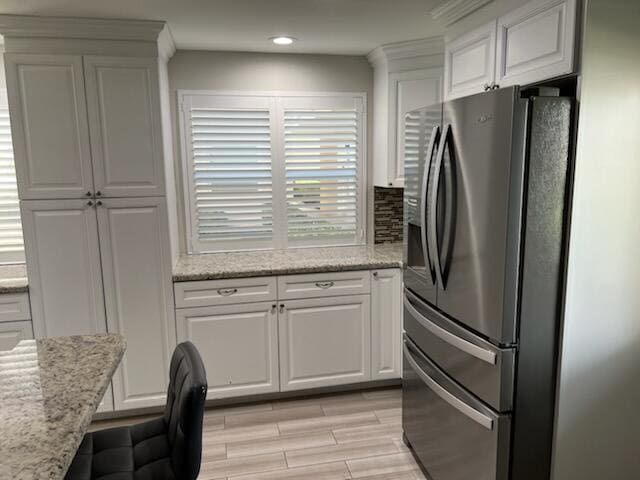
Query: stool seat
[167, 448]
[125, 453]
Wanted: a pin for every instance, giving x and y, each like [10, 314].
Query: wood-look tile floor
[331, 437]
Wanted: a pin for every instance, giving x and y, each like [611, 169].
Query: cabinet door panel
[63, 264]
[238, 344]
[13, 332]
[386, 324]
[324, 341]
[134, 247]
[124, 121]
[411, 90]
[49, 125]
[469, 62]
[536, 42]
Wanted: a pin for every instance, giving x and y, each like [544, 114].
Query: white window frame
[280, 230]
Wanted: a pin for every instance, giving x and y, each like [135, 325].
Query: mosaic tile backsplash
[387, 205]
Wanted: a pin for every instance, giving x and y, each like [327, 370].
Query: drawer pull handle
[225, 292]
[451, 399]
[324, 284]
[453, 340]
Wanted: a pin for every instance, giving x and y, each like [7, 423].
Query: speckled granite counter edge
[120, 344]
[285, 270]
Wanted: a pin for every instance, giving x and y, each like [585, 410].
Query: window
[11, 243]
[273, 171]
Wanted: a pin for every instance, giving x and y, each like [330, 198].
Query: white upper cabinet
[124, 122]
[49, 125]
[407, 76]
[138, 290]
[409, 91]
[531, 44]
[536, 42]
[469, 62]
[65, 279]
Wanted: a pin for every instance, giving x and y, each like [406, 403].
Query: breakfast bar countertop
[49, 391]
[285, 262]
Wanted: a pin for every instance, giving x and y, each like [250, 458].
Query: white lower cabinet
[63, 265]
[386, 324]
[100, 266]
[134, 248]
[238, 344]
[300, 338]
[324, 341]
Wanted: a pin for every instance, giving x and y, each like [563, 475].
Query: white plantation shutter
[273, 171]
[412, 153]
[231, 178]
[322, 175]
[11, 242]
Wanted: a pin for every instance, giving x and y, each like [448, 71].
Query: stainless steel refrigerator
[486, 202]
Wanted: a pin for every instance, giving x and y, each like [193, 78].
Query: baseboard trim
[264, 397]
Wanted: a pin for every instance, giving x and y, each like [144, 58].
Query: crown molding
[410, 49]
[86, 28]
[166, 45]
[453, 10]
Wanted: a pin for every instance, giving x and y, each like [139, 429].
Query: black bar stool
[167, 448]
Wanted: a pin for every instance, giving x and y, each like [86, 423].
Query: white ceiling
[322, 26]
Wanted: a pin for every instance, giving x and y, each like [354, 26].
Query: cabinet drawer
[224, 292]
[323, 285]
[14, 307]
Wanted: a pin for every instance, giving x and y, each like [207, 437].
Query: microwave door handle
[433, 211]
[424, 224]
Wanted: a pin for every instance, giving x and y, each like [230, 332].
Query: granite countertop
[283, 262]
[13, 279]
[49, 391]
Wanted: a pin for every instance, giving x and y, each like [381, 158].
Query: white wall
[204, 70]
[598, 416]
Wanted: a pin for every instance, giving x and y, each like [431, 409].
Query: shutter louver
[11, 241]
[232, 176]
[412, 152]
[322, 175]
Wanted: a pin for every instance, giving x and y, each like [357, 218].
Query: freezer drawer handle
[453, 340]
[452, 400]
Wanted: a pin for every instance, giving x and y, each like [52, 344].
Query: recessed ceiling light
[282, 40]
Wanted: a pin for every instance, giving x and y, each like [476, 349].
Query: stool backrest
[184, 410]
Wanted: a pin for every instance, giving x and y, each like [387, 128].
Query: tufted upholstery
[167, 448]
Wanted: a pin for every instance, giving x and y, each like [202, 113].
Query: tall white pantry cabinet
[87, 135]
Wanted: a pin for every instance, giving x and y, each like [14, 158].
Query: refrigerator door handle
[453, 340]
[423, 203]
[433, 211]
[452, 400]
